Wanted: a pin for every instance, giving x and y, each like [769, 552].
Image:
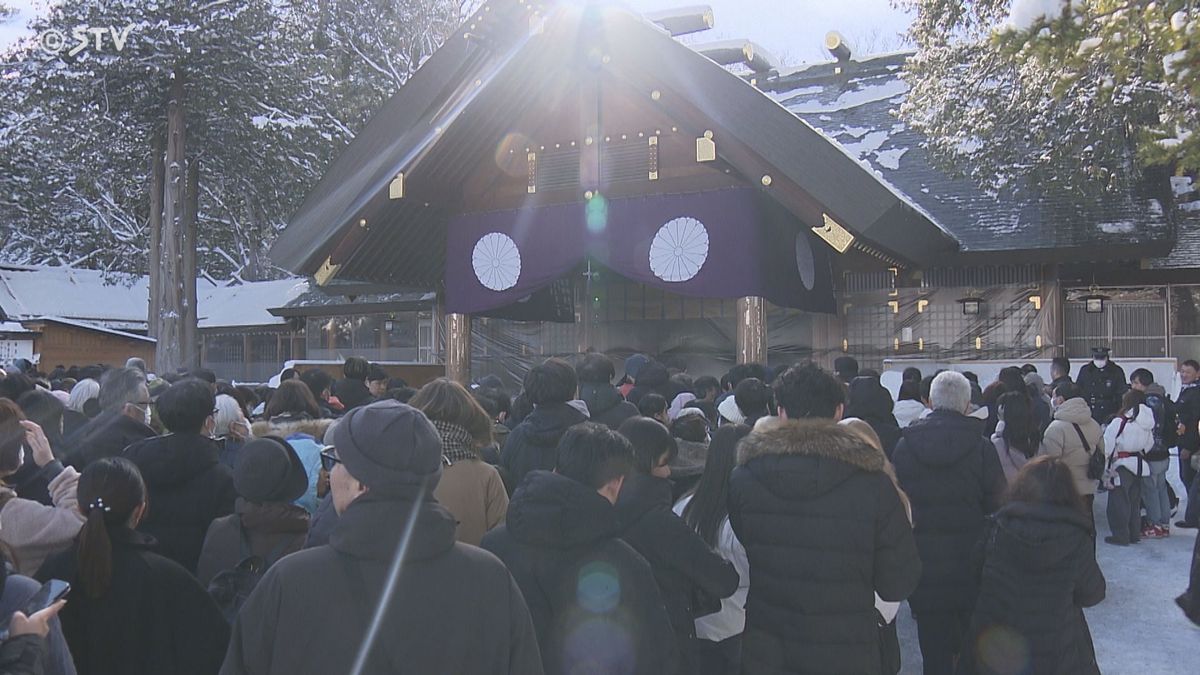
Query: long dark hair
[294, 397]
[1021, 428]
[1046, 480]
[110, 490]
[709, 505]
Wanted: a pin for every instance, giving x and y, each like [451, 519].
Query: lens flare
[1003, 651]
[599, 588]
[598, 645]
[596, 213]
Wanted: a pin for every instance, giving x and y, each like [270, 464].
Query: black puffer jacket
[581, 582]
[105, 436]
[824, 531]
[1039, 572]
[454, 608]
[871, 403]
[533, 443]
[605, 404]
[653, 379]
[954, 480]
[681, 561]
[188, 489]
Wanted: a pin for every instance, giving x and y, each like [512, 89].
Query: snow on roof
[77, 294]
[247, 304]
[13, 327]
[855, 107]
[88, 325]
[92, 298]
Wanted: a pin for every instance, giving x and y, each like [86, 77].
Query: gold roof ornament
[706, 148]
[834, 234]
[326, 272]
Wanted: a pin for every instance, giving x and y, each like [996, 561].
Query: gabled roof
[857, 109]
[91, 296]
[247, 304]
[436, 115]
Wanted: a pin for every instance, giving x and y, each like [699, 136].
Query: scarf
[457, 443]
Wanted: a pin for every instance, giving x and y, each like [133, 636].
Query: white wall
[1164, 370]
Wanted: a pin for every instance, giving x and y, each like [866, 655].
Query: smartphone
[51, 592]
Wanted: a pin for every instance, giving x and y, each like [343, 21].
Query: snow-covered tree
[1073, 95]
[273, 90]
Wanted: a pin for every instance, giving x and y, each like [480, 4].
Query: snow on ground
[1138, 629]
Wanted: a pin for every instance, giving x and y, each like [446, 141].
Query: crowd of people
[772, 520]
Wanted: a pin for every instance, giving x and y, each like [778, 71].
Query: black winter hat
[268, 470]
[389, 446]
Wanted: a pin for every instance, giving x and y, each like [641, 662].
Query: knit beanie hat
[389, 446]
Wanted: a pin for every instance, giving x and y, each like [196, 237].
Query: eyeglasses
[328, 459]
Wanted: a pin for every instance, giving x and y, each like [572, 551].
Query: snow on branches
[1078, 95]
[273, 90]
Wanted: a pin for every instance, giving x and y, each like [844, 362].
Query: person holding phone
[132, 611]
[30, 529]
[21, 651]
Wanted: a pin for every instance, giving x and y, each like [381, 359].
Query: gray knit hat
[389, 446]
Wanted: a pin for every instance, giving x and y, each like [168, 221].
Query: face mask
[148, 415]
[1099, 363]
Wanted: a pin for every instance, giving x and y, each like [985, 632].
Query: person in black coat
[454, 608]
[131, 611]
[824, 530]
[1038, 573]
[953, 478]
[124, 420]
[352, 390]
[596, 606]
[692, 577]
[654, 378]
[1103, 384]
[189, 486]
[533, 443]
[605, 404]
[871, 403]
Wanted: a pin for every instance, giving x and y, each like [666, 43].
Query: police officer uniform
[1102, 387]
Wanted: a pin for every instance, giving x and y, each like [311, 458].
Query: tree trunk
[155, 226]
[170, 315]
[189, 339]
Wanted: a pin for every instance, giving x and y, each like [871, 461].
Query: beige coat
[35, 531]
[472, 490]
[1060, 441]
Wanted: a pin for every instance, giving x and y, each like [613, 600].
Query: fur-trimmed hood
[287, 427]
[814, 438]
[804, 458]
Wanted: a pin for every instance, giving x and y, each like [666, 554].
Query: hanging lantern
[971, 304]
[1093, 302]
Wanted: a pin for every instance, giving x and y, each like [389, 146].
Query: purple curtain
[723, 244]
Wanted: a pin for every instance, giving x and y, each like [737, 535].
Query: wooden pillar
[458, 348]
[751, 330]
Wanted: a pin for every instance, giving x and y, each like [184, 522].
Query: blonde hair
[864, 431]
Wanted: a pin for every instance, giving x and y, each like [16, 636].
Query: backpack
[1097, 462]
[230, 588]
[1164, 427]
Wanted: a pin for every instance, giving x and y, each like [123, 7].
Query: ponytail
[110, 490]
[95, 554]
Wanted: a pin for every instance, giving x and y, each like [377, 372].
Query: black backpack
[230, 588]
[1097, 462]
